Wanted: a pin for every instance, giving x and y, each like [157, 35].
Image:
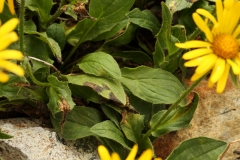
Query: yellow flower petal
[8, 26]
[1, 5]
[133, 153]
[146, 155]
[235, 67]
[236, 32]
[217, 70]
[207, 15]
[219, 9]
[197, 53]
[203, 26]
[228, 4]
[232, 18]
[194, 62]
[6, 40]
[103, 153]
[193, 44]
[207, 63]
[115, 156]
[223, 80]
[158, 159]
[12, 67]
[3, 77]
[11, 6]
[196, 76]
[11, 54]
[210, 84]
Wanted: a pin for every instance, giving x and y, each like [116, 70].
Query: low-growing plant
[113, 69]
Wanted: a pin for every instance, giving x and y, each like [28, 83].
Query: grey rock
[33, 142]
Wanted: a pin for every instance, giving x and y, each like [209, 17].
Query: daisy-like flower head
[146, 155]
[221, 50]
[8, 36]
[10, 5]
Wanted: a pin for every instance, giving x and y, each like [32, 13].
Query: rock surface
[217, 116]
[33, 142]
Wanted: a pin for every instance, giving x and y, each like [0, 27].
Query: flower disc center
[225, 46]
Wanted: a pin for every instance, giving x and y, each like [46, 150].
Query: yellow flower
[221, 50]
[8, 36]
[146, 155]
[10, 5]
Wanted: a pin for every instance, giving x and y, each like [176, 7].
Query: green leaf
[163, 37]
[176, 120]
[108, 88]
[78, 122]
[144, 108]
[118, 28]
[132, 126]
[4, 135]
[100, 64]
[35, 48]
[87, 93]
[177, 5]
[107, 14]
[144, 19]
[60, 95]
[152, 85]
[42, 8]
[29, 26]
[198, 149]
[53, 45]
[57, 33]
[123, 38]
[11, 89]
[108, 130]
[70, 11]
[111, 114]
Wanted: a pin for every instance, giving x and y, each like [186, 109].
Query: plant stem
[29, 70]
[72, 51]
[173, 106]
[21, 26]
[56, 14]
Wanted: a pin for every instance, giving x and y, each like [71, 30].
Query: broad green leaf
[144, 19]
[108, 130]
[117, 29]
[163, 37]
[177, 5]
[108, 88]
[132, 126]
[199, 148]
[144, 108]
[111, 114]
[87, 93]
[4, 135]
[77, 123]
[176, 120]
[57, 33]
[135, 56]
[152, 85]
[100, 64]
[107, 14]
[35, 48]
[123, 38]
[53, 45]
[29, 26]
[60, 95]
[11, 89]
[42, 7]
